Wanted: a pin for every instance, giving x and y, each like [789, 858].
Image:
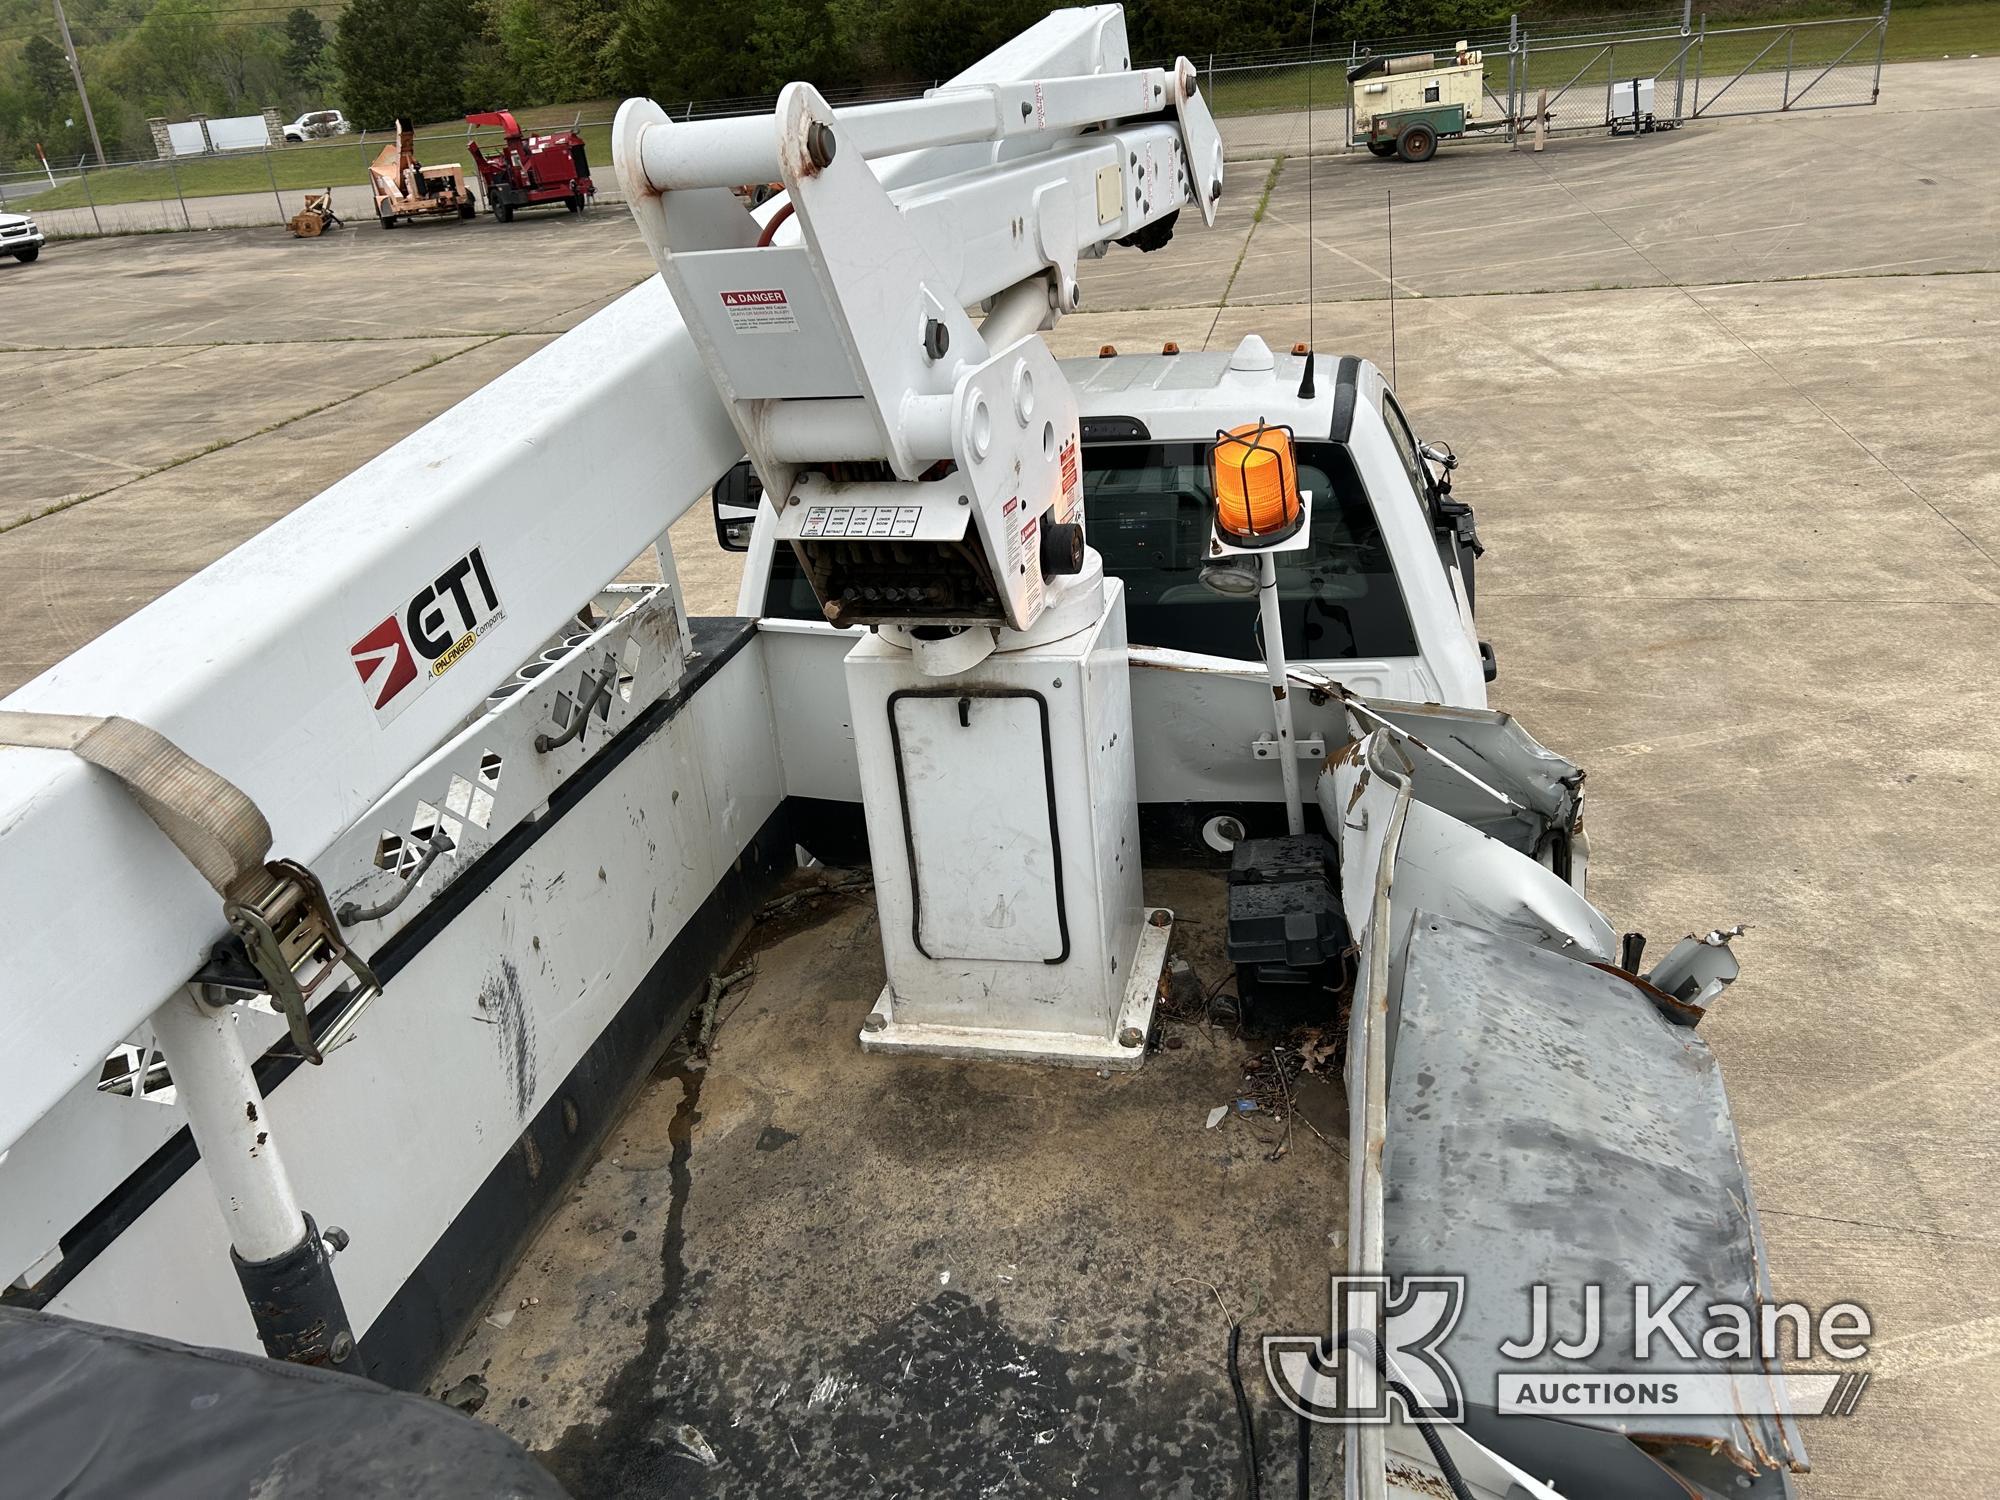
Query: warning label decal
[768, 311]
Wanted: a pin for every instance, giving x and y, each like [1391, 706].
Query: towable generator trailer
[406, 191]
[1403, 106]
[530, 170]
[855, 1233]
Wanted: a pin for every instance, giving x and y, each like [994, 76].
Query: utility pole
[76, 72]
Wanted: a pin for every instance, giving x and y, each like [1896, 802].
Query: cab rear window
[1147, 507]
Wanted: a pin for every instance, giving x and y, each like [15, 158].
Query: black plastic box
[1286, 931]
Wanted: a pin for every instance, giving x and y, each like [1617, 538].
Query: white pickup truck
[1381, 601]
[20, 237]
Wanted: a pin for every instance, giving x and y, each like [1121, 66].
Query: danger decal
[767, 311]
[427, 636]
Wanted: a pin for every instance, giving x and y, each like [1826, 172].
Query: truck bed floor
[799, 1270]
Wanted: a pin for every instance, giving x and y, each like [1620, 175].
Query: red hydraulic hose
[771, 228]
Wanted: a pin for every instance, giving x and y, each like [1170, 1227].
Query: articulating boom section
[925, 468]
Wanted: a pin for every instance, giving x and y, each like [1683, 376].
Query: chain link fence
[1581, 70]
[241, 189]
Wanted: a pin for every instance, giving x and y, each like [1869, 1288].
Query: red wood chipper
[531, 169]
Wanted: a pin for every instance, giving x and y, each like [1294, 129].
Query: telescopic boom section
[922, 464]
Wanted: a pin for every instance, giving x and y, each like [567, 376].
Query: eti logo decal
[428, 636]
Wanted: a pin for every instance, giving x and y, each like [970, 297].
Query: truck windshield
[1147, 508]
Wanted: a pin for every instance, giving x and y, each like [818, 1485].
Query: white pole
[1274, 663]
[231, 1125]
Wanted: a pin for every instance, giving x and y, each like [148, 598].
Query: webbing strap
[207, 816]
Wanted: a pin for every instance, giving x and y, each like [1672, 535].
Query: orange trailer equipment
[405, 190]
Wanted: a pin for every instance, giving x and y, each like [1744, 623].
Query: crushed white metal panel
[1549, 1126]
[1465, 753]
[1522, 1115]
[1446, 862]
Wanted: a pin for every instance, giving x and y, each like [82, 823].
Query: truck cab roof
[1173, 397]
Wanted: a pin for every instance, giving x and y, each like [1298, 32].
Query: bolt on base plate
[1122, 1050]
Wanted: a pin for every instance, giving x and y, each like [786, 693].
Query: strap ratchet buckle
[288, 931]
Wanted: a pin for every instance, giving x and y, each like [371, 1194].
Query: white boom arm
[562, 470]
[842, 340]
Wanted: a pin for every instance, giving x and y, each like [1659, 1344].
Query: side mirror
[735, 498]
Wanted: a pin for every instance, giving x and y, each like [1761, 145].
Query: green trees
[305, 59]
[406, 59]
[47, 73]
[431, 59]
[545, 50]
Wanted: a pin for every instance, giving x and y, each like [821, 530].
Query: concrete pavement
[1726, 401]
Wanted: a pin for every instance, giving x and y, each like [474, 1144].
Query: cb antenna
[1391, 194]
[1312, 62]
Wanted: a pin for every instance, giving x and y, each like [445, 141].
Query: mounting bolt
[336, 1239]
[874, 1021]
[965, 499]
[820, 144]
[1131, 1036]
[1026, 109]
[1161, 917]
[937, 339]
[341, 1347]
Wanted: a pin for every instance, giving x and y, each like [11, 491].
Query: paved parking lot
[1727, 401]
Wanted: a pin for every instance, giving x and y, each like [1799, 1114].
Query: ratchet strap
[276, 907]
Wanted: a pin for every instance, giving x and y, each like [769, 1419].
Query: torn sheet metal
[1548, 1125]
[1446, 864]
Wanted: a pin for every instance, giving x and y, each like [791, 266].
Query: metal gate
[1747, 70]
[1661, 75]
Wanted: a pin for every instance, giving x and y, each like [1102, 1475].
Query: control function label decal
[427, 636]
[861, 520]
[768, 311]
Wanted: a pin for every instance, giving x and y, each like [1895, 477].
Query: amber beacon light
[1256, 485]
